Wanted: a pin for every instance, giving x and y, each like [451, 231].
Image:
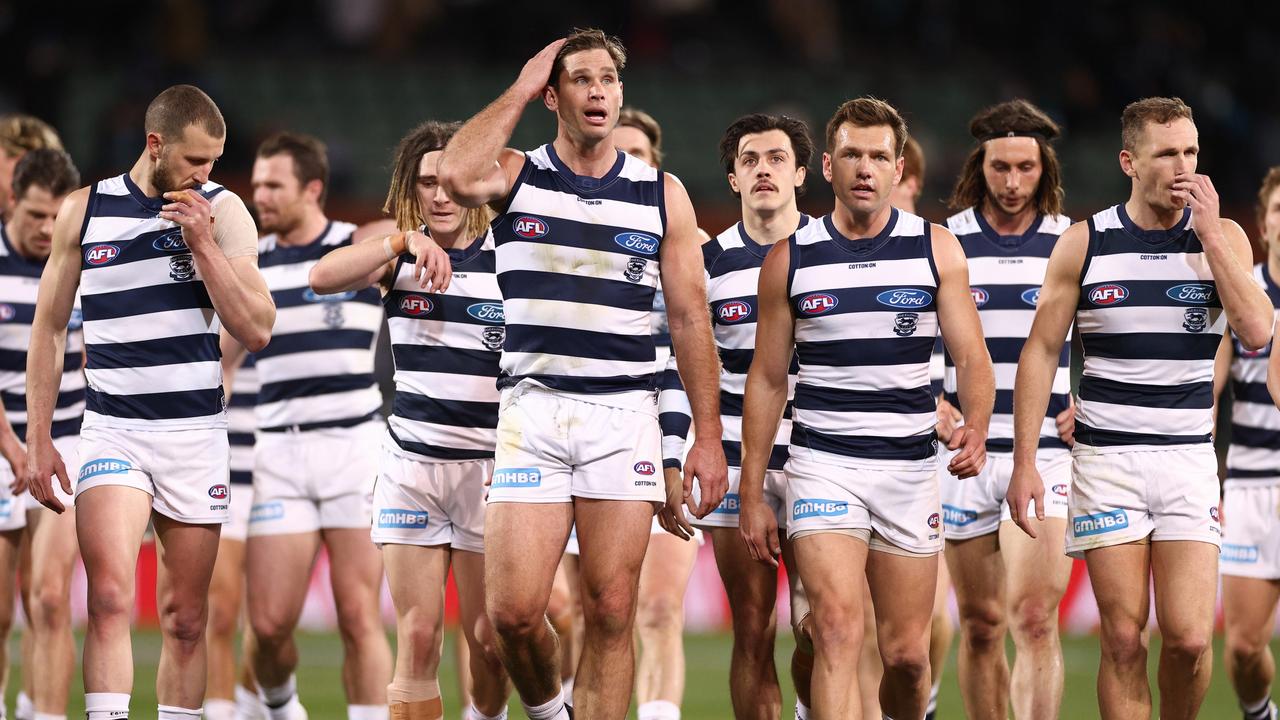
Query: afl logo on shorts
[644, 467]
[980, 296]
[529, 227]
[817, 303]
[7, 312]
[1060, 489]
[415, 305]
[101, 254]
[733, 311]
[1108, 294]
[170, 242]
[935, 520]
[1213, 513]
[637, 242]
[218, 492]
[1031, 297]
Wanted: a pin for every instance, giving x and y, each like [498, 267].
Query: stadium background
[358, 73]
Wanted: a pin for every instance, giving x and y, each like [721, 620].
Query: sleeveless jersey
[317, 371]
[865, 321]
[1005, 275]
[241, 422]
[446, 348]
[577, 263]
[1255, 421]
[150, 332]
[1150, 320]
[19, 283]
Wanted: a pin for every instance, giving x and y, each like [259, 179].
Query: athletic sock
[219, 709]
[1260, 710]
[366, 712]
[552, 709]
[48, 716]
[280, 695]
[802, 710]
[566, 691]
[658, 710]
[474, 714]
[173, 712]
[106, 706]
[248, 704]
[23, 708]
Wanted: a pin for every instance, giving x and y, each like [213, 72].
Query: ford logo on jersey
[415, 305]
[218, 492]
[980, 296]
[312, 296]
[639, 242]
[733, 311]
[487, 312]
[1108, 294]
[1031, 297]
[817, 303]
[529, 227]
[905, 297]
[1198, 293]
[170, 242]
[644, 467]
[101, 254]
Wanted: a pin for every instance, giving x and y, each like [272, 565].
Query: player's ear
[1126, 164]
[826, 166]
[154, 144]
[549, 98]
[801, 173]
[899, 167]
[315, 188]
[733, 184]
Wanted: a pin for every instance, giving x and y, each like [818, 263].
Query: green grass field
[706, 697]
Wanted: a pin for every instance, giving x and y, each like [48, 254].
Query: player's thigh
[831, 566]
[277, 575]
[1185, 574]
[1249, 609]
[1036, 569]
[902, 593]
[613, 536]
[468, 576]
[9, 547]
[664, 574]
[355, 567]
[977, 571]
[53, 546]
[751, 586]
[226, 588]
[416, 578]
[186, 554]
[1119, 576]
[523, 544]
[110, 522]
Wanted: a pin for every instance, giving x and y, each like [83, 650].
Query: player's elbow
[1254, 335]
[322, 280]
[255, 340]
[463, 190]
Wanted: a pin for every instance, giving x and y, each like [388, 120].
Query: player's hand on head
[706, 464]
[1066, 423]
[671, 515]
[431, 267]
[192, 212]
[759, 529]
[971, 455]
[1025, 487]
[536, 74]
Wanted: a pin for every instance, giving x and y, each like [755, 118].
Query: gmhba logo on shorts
[1239, 553]
[817, 507]
[730, 505]
[958, 517]
[517, 478]
[104, 466]
[1099, 523]
[262, 512]
[402, 518]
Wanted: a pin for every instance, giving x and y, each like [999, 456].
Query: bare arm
[1222, 373]
[239, 294]
[684, 285]
[477, 167]
[57, 294]
[962, 334]
[764, 401]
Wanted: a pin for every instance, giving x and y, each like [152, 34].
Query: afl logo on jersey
[907, 298]
[637, 242]
[7, 312]
[101, 254]
[644, 467]
[415, 305]
[529, 227]
[170, 242]
[733, 311]
[1195, 293]
[980, 296]
[486, 312]
[1031, 297]
[817, 303]
[1109, 294]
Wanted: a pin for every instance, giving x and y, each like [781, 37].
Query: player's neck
[856, 225]
[1008, 223]
[456, 240]
[1273, 266]
[1147, 217]
[767, 228]
[586, 160]
[141, 176]
[305, 232]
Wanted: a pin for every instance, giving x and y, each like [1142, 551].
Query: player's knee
[837, 629]
[419, 631]
[610, 610]
[108, 600]
[983, 627]
[1188, 646]
[223, 619]
[1125, 646]
[514, 621]
[1245, 650]
[270, 628]
[50, 606]
[1035, 621]
[659, 613]
[183, 622]
[356, 622]
[754, 626]
[908, 661]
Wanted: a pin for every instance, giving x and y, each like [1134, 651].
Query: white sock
[367, 712]
[933, 697]
[566, 691]
[48, 716]
[278, 696]
[106, 706]
[1258, 707]
[474, 714]
[173, 712]
[802, 710]
[219, 709]
[658, 710]
[552, 709]
[248, 704]
[24, 709]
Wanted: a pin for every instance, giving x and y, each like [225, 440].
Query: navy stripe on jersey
[1255, 422]
[577, 262]
[318, 367]
[149, 324]
[1005, 275]
[865, 321]
[1150, 321]
[446, 349]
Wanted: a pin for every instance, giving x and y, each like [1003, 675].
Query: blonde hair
[402, 197]
[24, 133]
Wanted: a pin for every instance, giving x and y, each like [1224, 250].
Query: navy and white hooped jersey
[317, 371]
[1005, 275]
[577, 262]
[19, 284]
[151, 335]
[446, 348]
[1255, 422]
[1150, 320]
[241, 422]
[865, 320]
